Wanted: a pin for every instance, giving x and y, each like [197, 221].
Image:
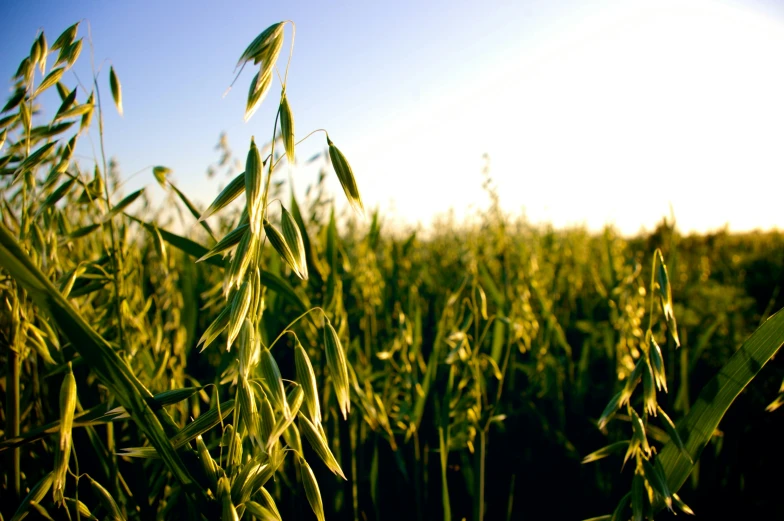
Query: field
[288, 360]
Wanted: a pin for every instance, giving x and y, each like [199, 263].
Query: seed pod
[227, 195]
[267, 418]
[51, 79]
[281, 246]
[338, 367]
[35, 52]
[294, 402]
[257, 305]
[14, 101]
[107, 501]
[346, 177]
[66, 37]
[669, 426]
[261, 43]
[215, 329]
[248, 348]
[44, 51]
[81, 508]
[88, 114]
[74, 111]
[269, 503]
[259, 511]
[287, 127]
[258, 91]
[306, 378]
[114, 83]
[638, 432]
[657, 481]
[606, 451]
[243, 256]
[234, 459]
[24, 70]
[160, 246]
[292, 437]
[319, 444]
[72, 53]
[225, 244]
[36, 494]
[273, 380]
[253, 187]
[208, 464]
[228, 511]
[202, 424]
[632, 381]
[58, 194]
[24, 112]
[657, 363]
[239, 308]
[67, 103]
[63, 91]
[683, 506]
[248, 411]
[293, 238]
[311, 488]
[63, 449]
[649, 390]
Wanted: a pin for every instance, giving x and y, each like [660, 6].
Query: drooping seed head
[311, 488]
[273, 379]
[116, 88]
[239, 309]
[286, 246]
[346, 177]
[293, 237]
[253, 187]
[320, 446]
[306, 377]
[287, 127]
[258, 91]
[261, 43]
[338, 368]
[63, 449]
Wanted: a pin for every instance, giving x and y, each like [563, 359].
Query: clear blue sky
[591, 112]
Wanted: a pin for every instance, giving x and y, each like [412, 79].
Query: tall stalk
[12, 418]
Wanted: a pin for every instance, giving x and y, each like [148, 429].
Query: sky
[591, 112]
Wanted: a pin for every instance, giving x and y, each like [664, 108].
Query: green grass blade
[192, 248]
[192, 208]
[716, 397]
[107, 365]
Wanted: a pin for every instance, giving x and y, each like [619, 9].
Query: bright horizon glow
[636, 110]
[591, 112]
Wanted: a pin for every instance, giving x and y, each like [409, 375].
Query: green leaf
[110, 369]
[717, 395]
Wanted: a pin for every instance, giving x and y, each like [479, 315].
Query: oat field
[303, 359]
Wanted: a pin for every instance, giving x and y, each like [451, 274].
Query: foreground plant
[658, 475]
[263, 429]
